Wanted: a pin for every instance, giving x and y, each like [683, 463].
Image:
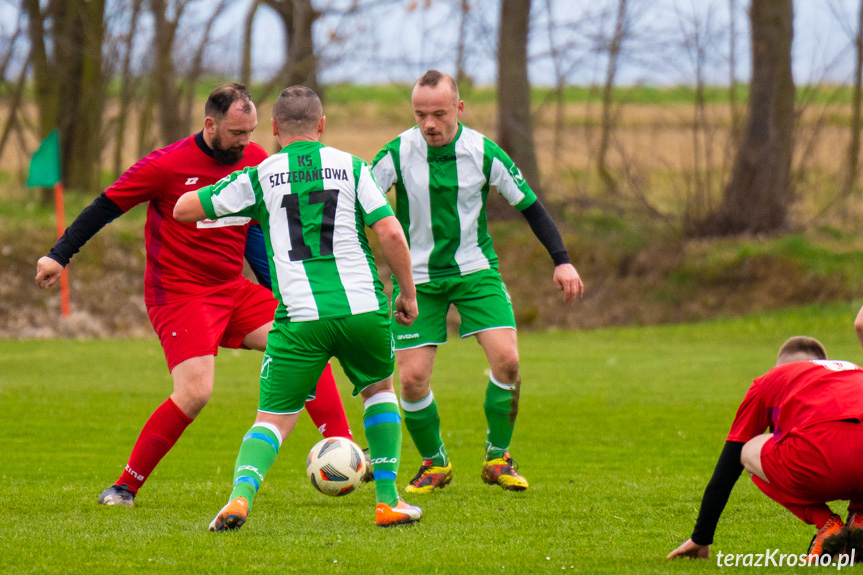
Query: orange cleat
[401, 514]
[232, 516]
[829, 540]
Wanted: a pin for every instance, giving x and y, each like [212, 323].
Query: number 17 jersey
[313, 203]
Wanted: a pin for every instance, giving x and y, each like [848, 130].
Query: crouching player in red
[814, 454]
[194, 289]
[313, 203]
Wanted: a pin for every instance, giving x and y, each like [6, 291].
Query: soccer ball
[335, 466]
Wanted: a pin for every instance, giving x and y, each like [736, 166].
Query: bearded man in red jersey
[196, 296]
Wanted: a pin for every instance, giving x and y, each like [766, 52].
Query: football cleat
[829, 540]
[430, 477]
[503, 471]
[232, 516]
[401, 514]
[854, 529]
[369, 475]
[117, 495]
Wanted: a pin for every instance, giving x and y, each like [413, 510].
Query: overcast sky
[398, 43]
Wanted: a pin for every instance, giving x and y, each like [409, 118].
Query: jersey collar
[202, 145]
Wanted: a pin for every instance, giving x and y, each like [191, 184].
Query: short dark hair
[433, 77]
[222, 98]
[801, 348]
[297, 110]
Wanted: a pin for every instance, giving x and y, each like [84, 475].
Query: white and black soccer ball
[335, 466]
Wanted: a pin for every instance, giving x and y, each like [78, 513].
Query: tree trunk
[163, 84]
[83, 144]
[248, 26]
[617, 38]
[756, 200]
[304, 68]
[127, 89]
[853, 154]
[515, 125]
[69, 84]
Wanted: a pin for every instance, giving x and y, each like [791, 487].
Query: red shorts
[815, 465]
[199, 326]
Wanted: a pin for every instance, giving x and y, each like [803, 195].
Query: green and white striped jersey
[441, 195]
[313, 203]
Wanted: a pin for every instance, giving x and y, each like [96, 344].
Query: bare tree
[614, 49]
[127, 87]
[69, 85]
[756, 200]
[515, 125]
[853, 154]
[700, 38]
[164, 91]
[300, 62]
[732, 72]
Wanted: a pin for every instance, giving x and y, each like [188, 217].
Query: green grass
[618, 434]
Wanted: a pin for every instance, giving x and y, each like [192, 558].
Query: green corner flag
[45, 163]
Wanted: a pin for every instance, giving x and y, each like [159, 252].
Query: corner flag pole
[45, 172]
[61, 227]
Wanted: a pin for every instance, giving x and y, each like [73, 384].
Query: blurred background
[702, 157]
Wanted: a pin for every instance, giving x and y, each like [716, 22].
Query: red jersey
[797, 395]
[184, 260]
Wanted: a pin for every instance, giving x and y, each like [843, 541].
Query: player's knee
[506, 368]
[414, 384]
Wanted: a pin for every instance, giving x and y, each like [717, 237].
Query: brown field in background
[657, 277]
[649, 137]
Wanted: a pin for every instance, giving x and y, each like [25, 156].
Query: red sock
[159, 435]
[326, 409]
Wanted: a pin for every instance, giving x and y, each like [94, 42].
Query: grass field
[618, 434]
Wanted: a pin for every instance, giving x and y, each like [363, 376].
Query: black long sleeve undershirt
[546, 232]
[726, 474]
[93, 218]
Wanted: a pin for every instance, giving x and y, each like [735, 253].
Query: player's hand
[405, 310]
[568, 281]
[48, 272]
[691, 550]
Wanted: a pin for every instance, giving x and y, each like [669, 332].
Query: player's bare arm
[396, 252]
[48, 271]
[568, 281]
[189, 208]
[691, 550]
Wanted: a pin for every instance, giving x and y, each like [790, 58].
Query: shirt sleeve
[93, 218]
[140, 183]
[372, 201]
[718, 490]
[752, 416]
[546, 232]
[384, 169]
[232, 195]
[507, 178]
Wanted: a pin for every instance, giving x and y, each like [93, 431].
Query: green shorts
[480, 298]
[298, 351]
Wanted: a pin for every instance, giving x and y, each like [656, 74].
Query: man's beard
[229, 156]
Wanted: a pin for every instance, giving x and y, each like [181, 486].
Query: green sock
[423, 424]
[383, 426]
[501, 407]
[257, 454]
